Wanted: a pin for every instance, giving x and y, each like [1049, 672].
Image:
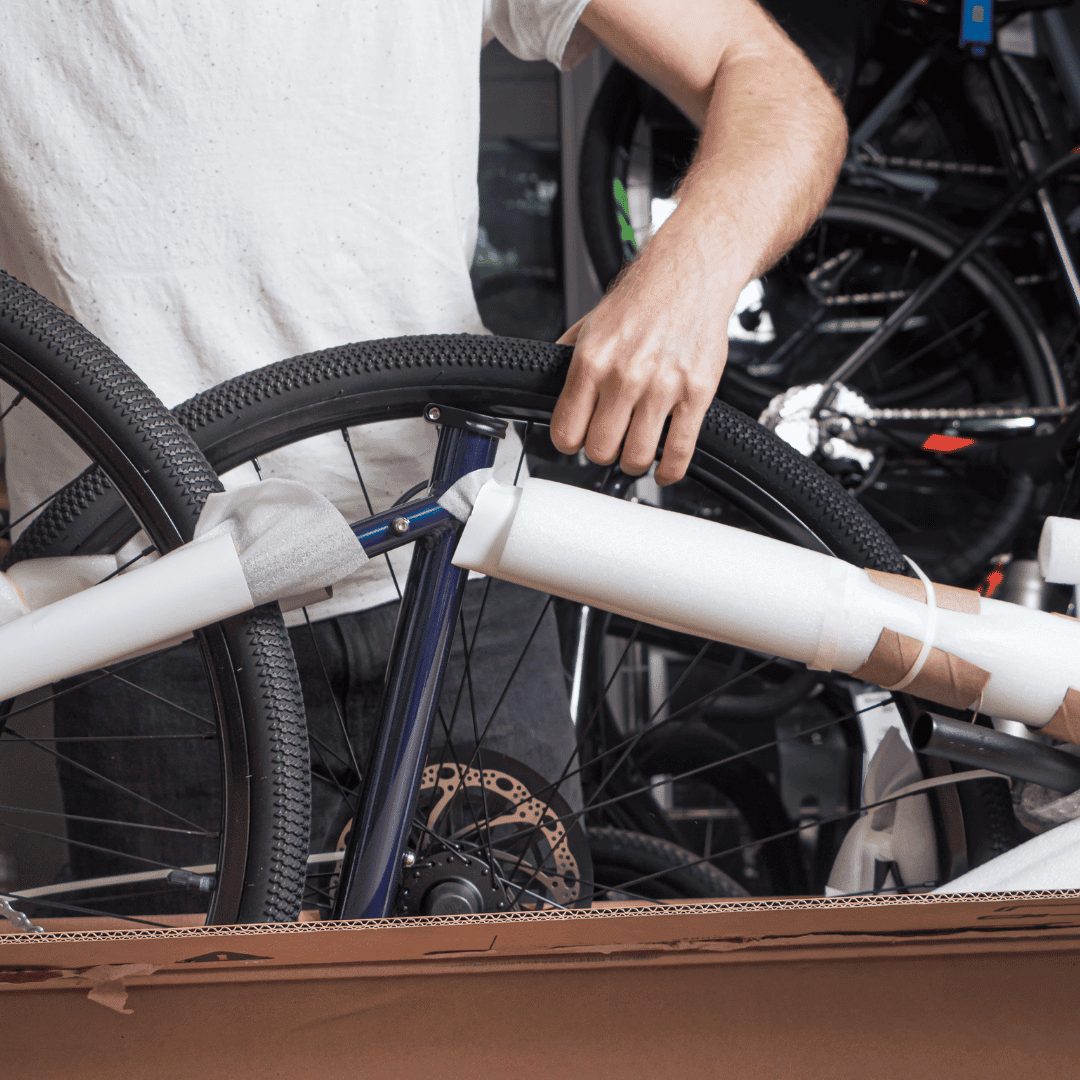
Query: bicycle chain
[980, 412]
[957, 168]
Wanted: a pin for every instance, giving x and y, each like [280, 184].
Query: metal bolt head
[400, 525]
[408, 859]
[434, 413]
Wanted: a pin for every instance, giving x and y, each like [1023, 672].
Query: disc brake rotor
[502, 816]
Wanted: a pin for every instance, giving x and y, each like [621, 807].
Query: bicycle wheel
[974, 344]
[671, 872]
[139, 846]
[749, 478]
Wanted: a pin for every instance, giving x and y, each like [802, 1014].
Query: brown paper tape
[945, 678]
[1065, 723]
[890, 659]
[947, 597]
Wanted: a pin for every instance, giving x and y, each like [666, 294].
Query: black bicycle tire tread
[32, 327]
[106, 384]
[764, 457]
[649, 854]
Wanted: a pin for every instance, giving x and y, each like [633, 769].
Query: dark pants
[342, 663]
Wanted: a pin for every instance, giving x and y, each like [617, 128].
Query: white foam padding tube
[1059, 551]
[193, 586]
[718, 582]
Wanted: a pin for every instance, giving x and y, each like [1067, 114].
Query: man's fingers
[573, 411]
[607, 429]
[646, 427]
[571, 335]
[679, 445]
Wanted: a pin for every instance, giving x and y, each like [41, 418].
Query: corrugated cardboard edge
[947, 597]
[945, 678]
[1065, 723]
[595, 914]
[752, 927]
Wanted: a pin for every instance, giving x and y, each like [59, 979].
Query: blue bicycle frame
[418, 658]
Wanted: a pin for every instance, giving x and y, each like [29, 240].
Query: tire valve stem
[186, 879]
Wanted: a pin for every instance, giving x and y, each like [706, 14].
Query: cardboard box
[938, 985]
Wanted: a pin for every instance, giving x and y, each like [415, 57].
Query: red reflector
[946, 444]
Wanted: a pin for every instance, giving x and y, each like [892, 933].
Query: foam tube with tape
[726, 584]
[132, 613]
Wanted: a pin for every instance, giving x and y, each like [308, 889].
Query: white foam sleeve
[272, 540]
[714, 581]
[12, 601]
[1059, 551]
[132, 613]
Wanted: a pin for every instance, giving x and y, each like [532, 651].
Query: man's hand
[772, 140]
[653, 348]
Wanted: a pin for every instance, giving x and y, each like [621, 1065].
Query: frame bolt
[408, 859]
[400, 525]
[434, 413]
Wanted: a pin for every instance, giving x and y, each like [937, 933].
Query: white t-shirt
[213, 186]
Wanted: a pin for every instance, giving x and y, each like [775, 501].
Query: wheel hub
[450, 883]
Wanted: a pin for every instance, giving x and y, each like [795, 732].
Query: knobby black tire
[372, 381]
[102, 405]
[669, 870]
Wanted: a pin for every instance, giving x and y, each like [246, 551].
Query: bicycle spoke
[706, 766]
[115, 784]
[69, 842]
[339, 715]
[107, 821]
[925, 350]
[78, 909]
[367, 501]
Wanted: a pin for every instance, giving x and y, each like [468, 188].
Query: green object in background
[622, 202]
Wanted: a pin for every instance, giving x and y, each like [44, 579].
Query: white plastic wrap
[896, 833]
[292, 541]
[714, 581]
[1050, 860]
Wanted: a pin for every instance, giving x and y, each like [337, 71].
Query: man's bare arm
[773, 138]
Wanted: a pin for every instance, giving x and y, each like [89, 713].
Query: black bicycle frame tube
[893, 100]
[1029, 156]
[892, 324]
[418, 658]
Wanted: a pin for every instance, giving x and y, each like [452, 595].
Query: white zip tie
[929, 630]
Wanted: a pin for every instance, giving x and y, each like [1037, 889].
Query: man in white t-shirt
[210, 187]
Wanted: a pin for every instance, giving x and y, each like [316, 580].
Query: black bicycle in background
[939, 291]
